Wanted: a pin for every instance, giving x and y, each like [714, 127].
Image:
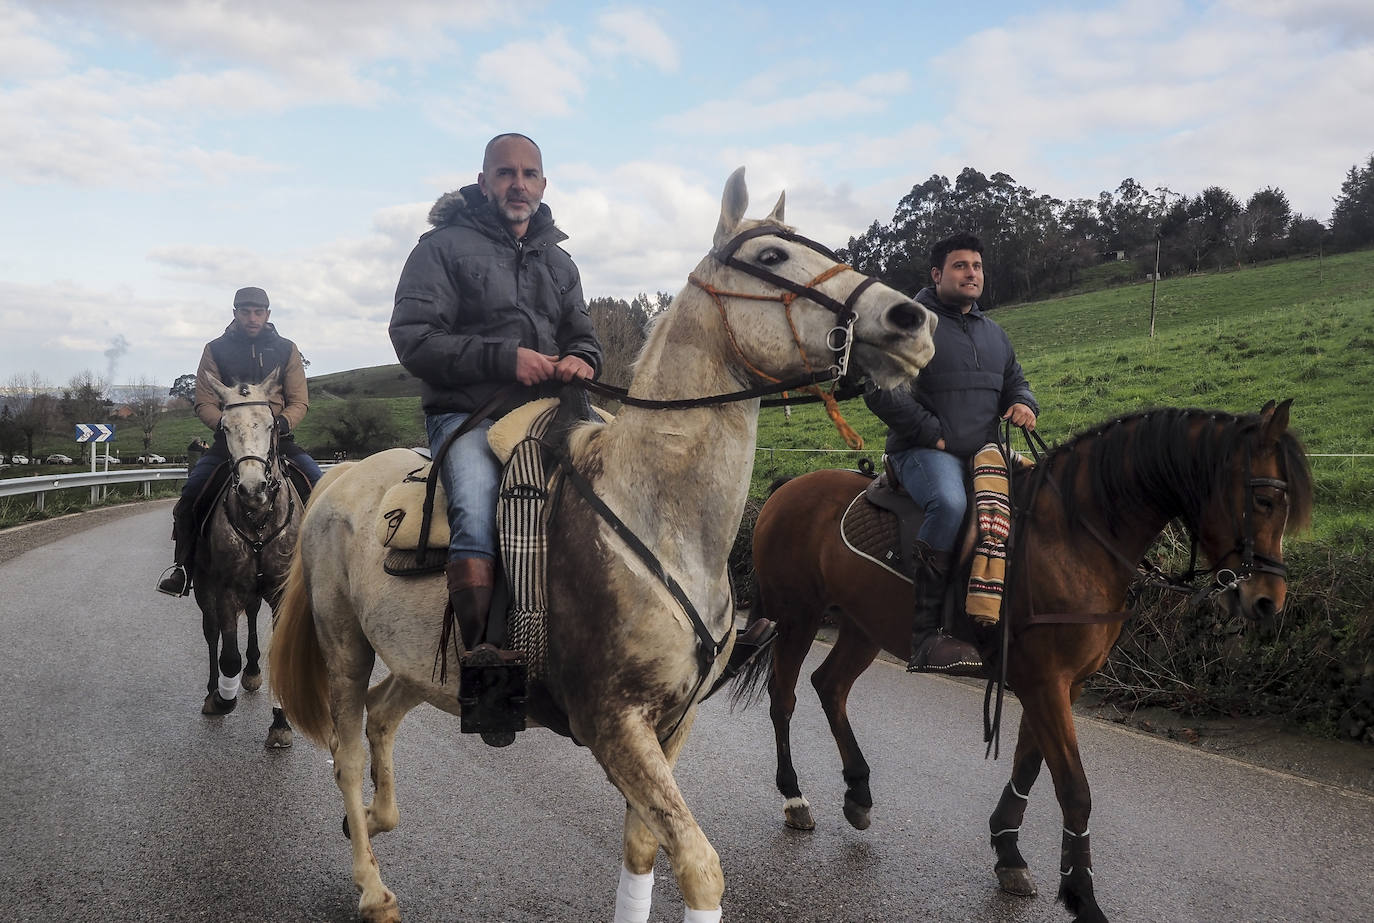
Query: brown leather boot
[470, 583]
[932, 650]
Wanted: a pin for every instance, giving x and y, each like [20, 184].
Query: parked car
[107, 459]
[57, 459]
[19, 459]
[152, 460]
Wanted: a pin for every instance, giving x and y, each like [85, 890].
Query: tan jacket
[253, 360]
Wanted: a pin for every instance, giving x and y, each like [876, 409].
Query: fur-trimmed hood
[468, 205]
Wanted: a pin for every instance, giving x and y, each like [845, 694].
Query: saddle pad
[507, 432]
[402, 511]
[987, 578]
[874, 534]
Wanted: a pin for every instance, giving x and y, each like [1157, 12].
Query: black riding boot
[932, 650]
[176, 580]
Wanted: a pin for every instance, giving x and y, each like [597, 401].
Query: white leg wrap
[700, 916]
[229, 686]
[633, 897]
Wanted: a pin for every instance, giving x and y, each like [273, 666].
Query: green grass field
[1231, 341]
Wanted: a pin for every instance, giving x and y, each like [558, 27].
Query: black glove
[283, 426]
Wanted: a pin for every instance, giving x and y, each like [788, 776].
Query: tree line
[31, 407]
[1037, 244]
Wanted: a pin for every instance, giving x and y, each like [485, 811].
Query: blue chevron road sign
[94, 432]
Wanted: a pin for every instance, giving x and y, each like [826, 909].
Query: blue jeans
[471, 476]
[935, 480]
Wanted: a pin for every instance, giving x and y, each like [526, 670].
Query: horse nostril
[907, 316]
[1265, 608]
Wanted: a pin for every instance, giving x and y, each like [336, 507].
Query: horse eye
[1264, 504]
[772, 256]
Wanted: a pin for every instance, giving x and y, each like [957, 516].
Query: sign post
[94, 433]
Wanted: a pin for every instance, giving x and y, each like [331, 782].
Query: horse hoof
[798, 817]
[856, 814]
[215, 704]
[252, 681]
[279, 739]
[386, 912]
[1016, 881]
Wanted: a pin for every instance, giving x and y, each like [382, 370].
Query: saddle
[414, 528]
[882, 522]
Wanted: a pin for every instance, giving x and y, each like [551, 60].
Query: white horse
[624, 667]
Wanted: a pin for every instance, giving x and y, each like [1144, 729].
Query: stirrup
[174, 581]
[749, 643]
[492, 693]
[945, 654]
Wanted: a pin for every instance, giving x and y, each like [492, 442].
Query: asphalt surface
[121, 802]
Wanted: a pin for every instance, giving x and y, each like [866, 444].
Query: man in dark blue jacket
[934, 427]
[488, 299]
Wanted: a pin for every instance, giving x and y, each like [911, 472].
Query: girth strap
[708, 648]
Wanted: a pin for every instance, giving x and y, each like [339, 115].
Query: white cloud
[1169, 95]
[22, 52]
[634, 34]
[535, 78]
[761, 105]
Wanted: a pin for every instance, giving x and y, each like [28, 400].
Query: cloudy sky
[155, 155]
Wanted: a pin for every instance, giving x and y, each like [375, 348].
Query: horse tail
[747, 686]
[296, 664]
[778, 482]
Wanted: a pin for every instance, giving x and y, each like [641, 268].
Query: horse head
[1266, 492]
[251, 436]
[826, 313]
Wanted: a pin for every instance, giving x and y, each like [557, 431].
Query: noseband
[840, 339]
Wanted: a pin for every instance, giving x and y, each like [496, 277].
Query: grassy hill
[1302, 329]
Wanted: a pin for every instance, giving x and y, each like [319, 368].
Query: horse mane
[1171, 461]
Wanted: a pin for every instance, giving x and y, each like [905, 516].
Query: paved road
[120, 802]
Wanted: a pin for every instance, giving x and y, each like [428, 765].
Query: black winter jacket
[961, 395]
[470, 294]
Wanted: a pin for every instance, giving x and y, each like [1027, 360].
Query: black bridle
[273, 482]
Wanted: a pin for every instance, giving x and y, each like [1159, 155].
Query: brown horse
[1096, 504]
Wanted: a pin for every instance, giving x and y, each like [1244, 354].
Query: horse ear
[732, 206]
[1267, 409]
[216, 385]
[1276, 420]
[776, 214]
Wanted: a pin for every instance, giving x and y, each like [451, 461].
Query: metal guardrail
[38, 486]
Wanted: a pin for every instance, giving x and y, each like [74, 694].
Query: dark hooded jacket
[471, 294]
[236, 357]
[961, 395]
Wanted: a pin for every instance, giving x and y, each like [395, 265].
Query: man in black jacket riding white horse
[488, 300]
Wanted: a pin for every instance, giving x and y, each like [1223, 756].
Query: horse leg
[789, 650]
[252, 672]
[1005, 823]
[851, 655]
[642, 770]
[279, 735]
[347, 693]
[222, 689]
[634, 894]
[387, 703]
[1047, 708]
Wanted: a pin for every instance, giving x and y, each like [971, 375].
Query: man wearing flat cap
[248, 352]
